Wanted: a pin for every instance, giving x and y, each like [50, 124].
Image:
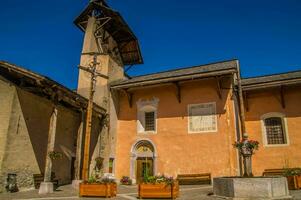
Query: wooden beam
[282, 97]
[218, 87]
[178, 91]
[246, 101]
[129, 97]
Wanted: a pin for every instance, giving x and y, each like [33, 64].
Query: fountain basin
[251, 188]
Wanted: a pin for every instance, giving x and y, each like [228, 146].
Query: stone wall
[27, 135]
[6, 99]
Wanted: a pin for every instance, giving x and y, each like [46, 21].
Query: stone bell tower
[108, 38]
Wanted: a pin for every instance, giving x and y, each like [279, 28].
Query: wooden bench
[273, 172]
[276, 172]
[38, 178]
[194, 179]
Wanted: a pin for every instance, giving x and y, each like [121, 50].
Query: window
[274, 129]
[202, 118]
[111, 165]
[147, 115]
[149, 121]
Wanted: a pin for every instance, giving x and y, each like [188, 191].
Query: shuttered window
[149, 121]
[274, 130]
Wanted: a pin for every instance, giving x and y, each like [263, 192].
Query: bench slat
[194, 179]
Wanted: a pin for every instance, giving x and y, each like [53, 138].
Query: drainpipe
[240, 111]
[237, 128]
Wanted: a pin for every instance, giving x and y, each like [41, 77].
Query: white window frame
[144, 106]
[215, 115]
[284, 128]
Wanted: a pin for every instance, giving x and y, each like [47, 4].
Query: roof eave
[47, 82]
[271, 84]
[175, 78]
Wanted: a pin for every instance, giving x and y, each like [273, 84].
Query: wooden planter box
[158, 190]
[294, 182]
[98, 189]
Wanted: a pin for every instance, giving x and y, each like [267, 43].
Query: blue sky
[265, 35]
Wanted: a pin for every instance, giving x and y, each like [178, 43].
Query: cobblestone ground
[124, 193]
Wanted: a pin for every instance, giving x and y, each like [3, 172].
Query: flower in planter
[126, 180]
[159, 179]
[246, 145]
[292, 171]
[101, 180]
[54, 155]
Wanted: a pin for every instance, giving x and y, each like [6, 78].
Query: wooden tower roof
[117, 27]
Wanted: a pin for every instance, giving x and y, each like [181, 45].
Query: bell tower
[109, 42]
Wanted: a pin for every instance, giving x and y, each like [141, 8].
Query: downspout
[239, 112]
[241, 101]
[237, 127]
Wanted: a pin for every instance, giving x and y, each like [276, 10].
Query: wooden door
[144, 166]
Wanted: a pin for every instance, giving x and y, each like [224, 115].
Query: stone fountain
[248, 186]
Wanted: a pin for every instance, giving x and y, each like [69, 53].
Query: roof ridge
[182, 68]
[269, 75]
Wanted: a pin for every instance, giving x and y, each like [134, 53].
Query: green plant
[292, 171]
[249, 144]
[92, 179]
[98, 162]
[54, 155]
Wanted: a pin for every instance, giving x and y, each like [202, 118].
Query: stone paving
[124, 193]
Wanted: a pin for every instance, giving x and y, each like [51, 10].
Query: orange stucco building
[171, 147]
[174, 147]
[275, 96]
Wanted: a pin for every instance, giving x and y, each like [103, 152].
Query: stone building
[28, 103]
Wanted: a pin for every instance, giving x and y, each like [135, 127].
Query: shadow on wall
[36, 112]
[203, 91]
[269, 100]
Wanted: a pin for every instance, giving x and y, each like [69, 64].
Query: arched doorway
[143, 160]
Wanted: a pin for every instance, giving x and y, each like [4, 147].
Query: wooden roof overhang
[270, 84]
[167, 80]
[44, 87]
[192, 73]
[127, 42]
[175, 77]
[278, 82]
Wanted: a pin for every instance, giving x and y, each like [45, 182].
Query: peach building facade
[176, 145]
[173, 149]
[278, 99]
[176, 150]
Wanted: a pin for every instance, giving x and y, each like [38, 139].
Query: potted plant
[246, 148]
[54, 155]
[158, 187]
[98, 163]
[98, 187]
[293, 176]
[126, 180]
